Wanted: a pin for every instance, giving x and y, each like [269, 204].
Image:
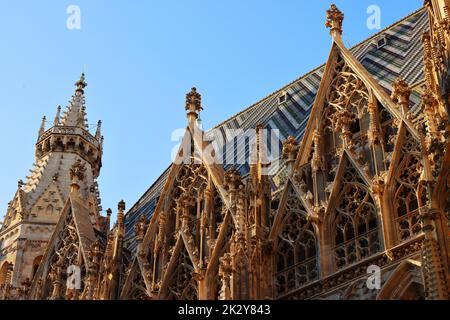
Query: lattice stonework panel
[67, 254]
[183, 285]
[406, 198]
[138, 289]
[345, 118]
[296, 258]
[356, 226]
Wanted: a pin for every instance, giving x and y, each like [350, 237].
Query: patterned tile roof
[401, 55]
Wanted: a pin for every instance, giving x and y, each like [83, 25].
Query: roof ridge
[315, 69]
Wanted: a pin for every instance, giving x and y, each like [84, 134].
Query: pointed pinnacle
[81, 84]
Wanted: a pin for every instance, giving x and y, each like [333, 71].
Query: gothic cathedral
[363, 190]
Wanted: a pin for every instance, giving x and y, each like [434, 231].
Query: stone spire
[57, 116]
[334, 21]
[121, 216]
[108, 219]
[75, 115]
[42, 128]
[68, 159]
[98, 133]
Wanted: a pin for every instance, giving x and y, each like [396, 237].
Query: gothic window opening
[296, 258]
[4, 273]
[138, 290]
[356, 225]
[67, 254]
[183, 285]
[70, 145]
[345, 119]
[407, 197]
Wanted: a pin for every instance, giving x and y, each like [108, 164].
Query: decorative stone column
[400, 94]
[225, 272]
[434, 273]
[290, 151]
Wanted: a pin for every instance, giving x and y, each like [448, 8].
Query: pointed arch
[4, 273]
[405, 283]
[296, 257]
[134, 286]
[182, 285]
[192, 208]
[352, 228]
[405, 195]
[138, 290]
[66, 252]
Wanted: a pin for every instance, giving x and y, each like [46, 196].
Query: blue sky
[140, 59]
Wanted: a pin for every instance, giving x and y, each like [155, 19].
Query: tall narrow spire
[75, 115]
[98, 133]
[57, 116]
[81, 84]
[120, 217]
[42, 128]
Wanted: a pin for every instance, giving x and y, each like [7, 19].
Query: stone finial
[95, 253]
[20, 184]
[81, 84]
[334, 20]
[427, 3]
[232, 179]
[108, 212]
[429, 101]
[401, 93]
[121, 206]
[433, 117]
[374, 135]
[140, 228]
[78, 171]
[193, 104]
[317, 159]
[290, 151]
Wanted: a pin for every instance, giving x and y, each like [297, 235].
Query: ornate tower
[36, 207]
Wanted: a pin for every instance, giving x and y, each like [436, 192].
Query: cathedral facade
[356, 207]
